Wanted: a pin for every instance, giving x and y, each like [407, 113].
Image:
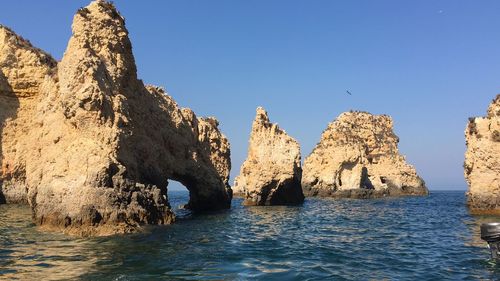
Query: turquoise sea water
[424, 238]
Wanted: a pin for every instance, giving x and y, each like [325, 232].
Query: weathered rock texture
[482, 161]
[25, 72]
[89, 146]
[358, 157]
[272, 172]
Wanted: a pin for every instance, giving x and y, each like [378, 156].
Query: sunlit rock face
[89, 146]
[358, 157]
[25, 75]
[482, 161]
[272, 172]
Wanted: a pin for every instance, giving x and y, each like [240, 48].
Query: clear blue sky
[428, 64]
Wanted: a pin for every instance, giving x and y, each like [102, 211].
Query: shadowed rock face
[272, 172]
[482, 161]
[358, 157]
[90, 147]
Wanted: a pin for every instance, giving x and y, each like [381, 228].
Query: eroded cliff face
[482, 161]
[98, 146]
[358, 157]
[25, 72]
[272, 172]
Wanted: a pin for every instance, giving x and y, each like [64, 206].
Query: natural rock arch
[100, 146]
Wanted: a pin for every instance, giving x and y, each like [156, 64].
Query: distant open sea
[420, 238]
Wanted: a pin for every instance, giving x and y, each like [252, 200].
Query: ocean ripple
[424, 238]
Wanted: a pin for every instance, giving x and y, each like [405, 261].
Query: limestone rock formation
[358, 157]
[89, 146]
[25, 72]
[482, 161]
[272, 172]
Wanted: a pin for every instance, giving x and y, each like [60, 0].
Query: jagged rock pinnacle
[272, 172]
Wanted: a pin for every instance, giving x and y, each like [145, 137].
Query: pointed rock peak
[102, 9]
[261, 115]
[101, 21]
[262, 122]
[272, 172]
[494, 109]
[100, 38]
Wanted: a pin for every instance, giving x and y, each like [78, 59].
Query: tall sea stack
[272, 172]
[482, 161]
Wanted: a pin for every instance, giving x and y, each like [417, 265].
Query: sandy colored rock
[24, 72]
[358, 157]
[90, 145]
[482, 161]
[272, 172]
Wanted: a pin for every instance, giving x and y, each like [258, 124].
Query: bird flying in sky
[349, 93]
